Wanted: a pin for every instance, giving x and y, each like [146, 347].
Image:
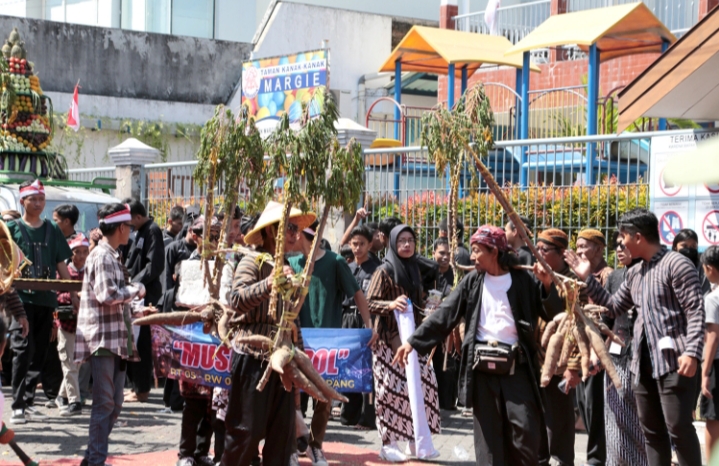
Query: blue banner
[340, 356]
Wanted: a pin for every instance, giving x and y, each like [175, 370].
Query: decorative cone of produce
[26, 125]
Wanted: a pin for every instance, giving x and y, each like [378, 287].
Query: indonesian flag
[490, 16]
[73, 116]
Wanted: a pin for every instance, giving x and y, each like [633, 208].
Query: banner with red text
[340, 356]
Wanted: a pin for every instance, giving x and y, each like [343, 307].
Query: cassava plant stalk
[279, 257]
[511, 213]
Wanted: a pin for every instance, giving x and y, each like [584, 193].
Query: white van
[88, 201]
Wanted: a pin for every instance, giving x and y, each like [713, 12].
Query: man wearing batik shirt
[668, 335]
[103, 334]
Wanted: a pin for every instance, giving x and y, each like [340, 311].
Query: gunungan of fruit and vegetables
[24, 118]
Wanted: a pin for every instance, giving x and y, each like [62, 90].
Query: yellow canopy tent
[447, 52]
[432, 50]
[617, 31]
[605, 33]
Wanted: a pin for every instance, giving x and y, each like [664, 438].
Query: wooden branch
[563, 277]
[511, 213]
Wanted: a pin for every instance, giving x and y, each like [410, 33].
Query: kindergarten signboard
[272, 87]
[340, 356]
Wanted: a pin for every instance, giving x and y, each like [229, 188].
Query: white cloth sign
[422, 434]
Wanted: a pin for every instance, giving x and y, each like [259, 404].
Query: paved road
[143, 430]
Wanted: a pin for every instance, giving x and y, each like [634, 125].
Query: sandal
[133, 397]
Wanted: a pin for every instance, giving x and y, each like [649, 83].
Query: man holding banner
[331, 281]
[269, 414]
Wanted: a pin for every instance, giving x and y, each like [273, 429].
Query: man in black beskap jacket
[145, 264]
[507, 408]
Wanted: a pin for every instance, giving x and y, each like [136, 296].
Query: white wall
[358, 42]
[94, 149]
[136, 109]
[96, 143]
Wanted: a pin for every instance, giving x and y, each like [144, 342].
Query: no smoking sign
[710, 227]
[670, 224]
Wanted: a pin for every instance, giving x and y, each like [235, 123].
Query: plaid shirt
[103, 310]
[668, 298]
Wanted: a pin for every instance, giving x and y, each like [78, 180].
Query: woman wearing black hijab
[393, 286]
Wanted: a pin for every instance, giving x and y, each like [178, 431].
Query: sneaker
[429, 456]
[295, 459]
[317, 456]
[186, 462]
[392, 453]
[50, 404]
[74, 409]
[18, 417]
[204, 461]
[165, 410]
[32, 414]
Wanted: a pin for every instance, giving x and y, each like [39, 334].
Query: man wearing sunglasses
[558, 395]
[103, 334]
[145, 263]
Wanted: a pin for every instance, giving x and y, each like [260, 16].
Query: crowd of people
[662, 302]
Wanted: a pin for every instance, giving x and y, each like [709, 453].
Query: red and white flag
[490, 16]
[73, 116]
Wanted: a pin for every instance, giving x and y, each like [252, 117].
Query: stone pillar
[447, 10]
[705, 6]
[557, 7]
[129, 158]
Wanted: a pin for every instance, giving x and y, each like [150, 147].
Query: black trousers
[171, 396]
[665, 409]
[359, 410]
[29, 353]
[447, 380]
[140, 372]
[218, 426]
[253, 415]
[558, 436]
[506, 418]
[196, 431]
[590, 401]
[51, 374]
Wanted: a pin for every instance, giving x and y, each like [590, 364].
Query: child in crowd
[66, 321]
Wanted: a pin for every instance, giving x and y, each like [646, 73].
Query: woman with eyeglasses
[396, 286]
[625, 438]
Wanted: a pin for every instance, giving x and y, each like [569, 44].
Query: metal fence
[89, 174]
[513, 22]
[677, 15]
[403, 182]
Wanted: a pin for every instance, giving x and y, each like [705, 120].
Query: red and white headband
[35, 188]
[78, 241]
[118, 217]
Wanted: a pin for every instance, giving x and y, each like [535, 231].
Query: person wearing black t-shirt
[517, 243]
[359, 411]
